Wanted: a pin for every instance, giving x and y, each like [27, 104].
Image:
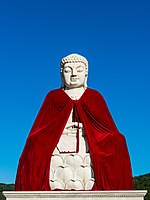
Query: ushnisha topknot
[73, 58]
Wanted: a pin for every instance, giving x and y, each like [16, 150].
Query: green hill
[5, 187]
[140, 183]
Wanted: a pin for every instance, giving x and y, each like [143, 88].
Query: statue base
[75, 195]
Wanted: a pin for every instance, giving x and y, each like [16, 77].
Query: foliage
[140, 183]
[5, 187]
[143, 183]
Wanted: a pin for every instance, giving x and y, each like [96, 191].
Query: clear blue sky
[115, 38]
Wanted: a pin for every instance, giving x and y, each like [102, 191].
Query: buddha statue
[74, 143]
[71, 166]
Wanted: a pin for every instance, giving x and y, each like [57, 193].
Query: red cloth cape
[108, 149]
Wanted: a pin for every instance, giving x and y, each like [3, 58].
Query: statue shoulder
[95, 93]
[53, 93]
[120, 138]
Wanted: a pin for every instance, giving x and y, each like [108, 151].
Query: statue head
[74, 71]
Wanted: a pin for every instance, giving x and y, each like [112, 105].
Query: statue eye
[67, 70]
[80, 69]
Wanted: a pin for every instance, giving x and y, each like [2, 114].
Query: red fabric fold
[108, 149]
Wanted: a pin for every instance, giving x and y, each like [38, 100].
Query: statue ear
[62, 81]
[85, 82]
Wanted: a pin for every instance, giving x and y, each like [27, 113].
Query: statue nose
[74, 72]
[73, 75]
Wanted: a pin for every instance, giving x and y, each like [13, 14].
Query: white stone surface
[75, 195]
[71, 166]
[71, 171]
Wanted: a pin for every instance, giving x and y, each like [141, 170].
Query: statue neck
[75, 93]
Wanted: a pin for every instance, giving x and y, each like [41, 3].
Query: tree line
[140, 183]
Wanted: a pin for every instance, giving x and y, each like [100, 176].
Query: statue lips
[74, 79]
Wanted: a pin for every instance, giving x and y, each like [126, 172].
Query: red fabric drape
[108, 149]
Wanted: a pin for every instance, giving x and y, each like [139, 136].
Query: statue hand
[73, 125]
[69, 131]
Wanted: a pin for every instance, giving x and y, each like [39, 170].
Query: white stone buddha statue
[71, 167]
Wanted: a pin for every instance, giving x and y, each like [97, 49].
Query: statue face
[74, 74]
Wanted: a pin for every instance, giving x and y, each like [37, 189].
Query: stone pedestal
[75, 195]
